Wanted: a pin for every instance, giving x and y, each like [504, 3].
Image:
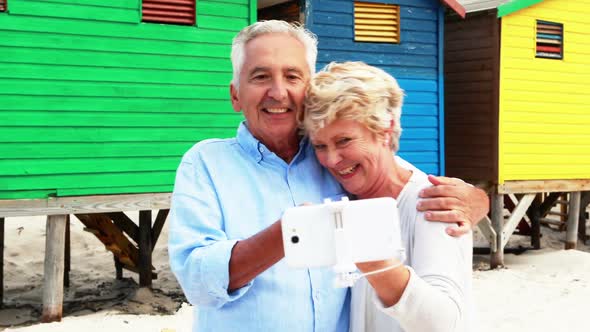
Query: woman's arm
[432, 294]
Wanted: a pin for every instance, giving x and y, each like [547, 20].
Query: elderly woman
[352, 115]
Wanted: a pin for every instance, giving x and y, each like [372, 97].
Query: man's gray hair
[306, 37]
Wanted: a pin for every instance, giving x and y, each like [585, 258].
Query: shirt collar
[258, 150]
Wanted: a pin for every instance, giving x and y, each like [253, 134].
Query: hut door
[286, 10]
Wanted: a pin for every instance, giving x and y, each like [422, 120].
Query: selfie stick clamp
[345, 268]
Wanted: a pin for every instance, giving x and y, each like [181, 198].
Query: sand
[545, 290]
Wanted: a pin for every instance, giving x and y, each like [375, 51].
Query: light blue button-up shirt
[230, 189]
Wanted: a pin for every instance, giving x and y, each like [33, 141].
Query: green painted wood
[106, 89]
[253, 12]
[96, 102]
[93, 150]
[114, 120]
[114, 190]
[227, 23]
[62, 10]
[514, 6]
[27, 194]
[91, 43]
[14, 167]
[31, 55]
[129, 4]
[148, 31]
[229, 10]
[116, 74]
[99, 104]
[60, 181]
[97, 134]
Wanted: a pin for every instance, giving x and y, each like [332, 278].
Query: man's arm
[254, 255]
[454, 201]
[212, 269]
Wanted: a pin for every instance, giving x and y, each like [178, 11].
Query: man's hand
[454, 201]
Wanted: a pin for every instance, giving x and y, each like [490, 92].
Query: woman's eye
[319, 147]
[344, 141]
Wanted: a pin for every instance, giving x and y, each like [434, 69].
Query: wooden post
[54, 268]
[497, 257]
[67, 254]
[584, 201]
[118, 268]
[571, 238]
[1, 262]
[145, 248]
[536, 211]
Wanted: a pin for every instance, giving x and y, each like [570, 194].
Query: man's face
[272, 86]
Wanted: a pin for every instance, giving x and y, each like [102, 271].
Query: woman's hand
[389, 284]
[454, 201]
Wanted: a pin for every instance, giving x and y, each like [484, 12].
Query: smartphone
[370, 229]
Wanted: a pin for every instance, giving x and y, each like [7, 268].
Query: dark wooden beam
[158, 225]
[548, 203]
[125, 224]
[67, 254]
[145, 248]
[534, 213]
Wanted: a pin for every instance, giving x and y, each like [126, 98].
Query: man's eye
[258, 78]
[293, 77]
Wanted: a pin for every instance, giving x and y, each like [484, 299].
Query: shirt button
[261, 149]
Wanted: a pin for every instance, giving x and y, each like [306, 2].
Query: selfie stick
[344, 268]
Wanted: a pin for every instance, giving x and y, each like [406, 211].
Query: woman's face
[353, 154]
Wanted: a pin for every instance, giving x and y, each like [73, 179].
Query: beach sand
[544, 290]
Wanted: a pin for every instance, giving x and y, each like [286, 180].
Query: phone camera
[295, 239]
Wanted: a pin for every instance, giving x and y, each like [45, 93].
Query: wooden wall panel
[94, 101]
[471, 96]
[414, 62]
[544, 118]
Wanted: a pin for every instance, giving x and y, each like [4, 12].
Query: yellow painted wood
[376, 22]
[544, 124]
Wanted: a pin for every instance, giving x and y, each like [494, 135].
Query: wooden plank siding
[544, 118]
[471, 96]
[414, 62]
[93, 101]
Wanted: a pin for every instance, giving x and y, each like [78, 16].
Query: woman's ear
[388, 133]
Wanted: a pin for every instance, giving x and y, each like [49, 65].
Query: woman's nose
[333, 158]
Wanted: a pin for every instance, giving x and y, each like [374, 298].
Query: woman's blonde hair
[354, 91]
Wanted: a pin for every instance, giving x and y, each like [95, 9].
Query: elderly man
[225, 238]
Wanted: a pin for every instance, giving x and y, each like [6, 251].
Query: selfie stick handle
[344, 268]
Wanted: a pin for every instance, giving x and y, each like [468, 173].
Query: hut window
[549, 40]
[3, 5]
[180, 12]
[376, 22]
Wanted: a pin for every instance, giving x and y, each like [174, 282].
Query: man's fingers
[458, 230]
[452, 216]
[439, 203]
[439, 180]
[441, 191]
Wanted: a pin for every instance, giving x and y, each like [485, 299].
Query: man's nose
[278, 90]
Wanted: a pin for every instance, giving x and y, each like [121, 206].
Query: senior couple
[225, 240]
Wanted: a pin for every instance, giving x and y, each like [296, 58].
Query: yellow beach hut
[517, 76]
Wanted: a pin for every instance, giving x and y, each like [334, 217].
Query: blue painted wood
[415, 62]
[341, 44]
[379, 58]
[441, 96]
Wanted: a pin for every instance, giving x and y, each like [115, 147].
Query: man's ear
[235, 100]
